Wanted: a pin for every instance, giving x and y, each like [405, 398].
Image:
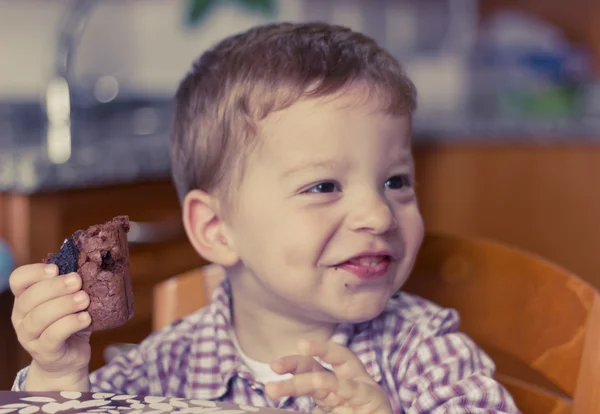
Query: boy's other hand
[348, 389]
[50, 321]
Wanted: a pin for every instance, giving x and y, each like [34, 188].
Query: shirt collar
[212, 382]
[356, 337]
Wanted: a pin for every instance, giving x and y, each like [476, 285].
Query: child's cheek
[295, 257]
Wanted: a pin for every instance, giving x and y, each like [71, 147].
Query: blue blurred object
[528, 70]
[7, 264]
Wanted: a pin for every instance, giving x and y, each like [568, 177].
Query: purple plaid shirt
[413, 350]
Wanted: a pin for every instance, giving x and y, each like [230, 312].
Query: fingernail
[51, 269]
[83, 317]
[71, 280]
[79, 297]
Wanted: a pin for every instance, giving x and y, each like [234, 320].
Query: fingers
[343, 360]
[317, 385]
[328, 390]
[53, 337]
[349, 387]
[44, 315]
[26, 276]
[296, 364]
[46, 290]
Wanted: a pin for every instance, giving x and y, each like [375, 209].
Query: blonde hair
[245, 77]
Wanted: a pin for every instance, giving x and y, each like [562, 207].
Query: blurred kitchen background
[507, 134]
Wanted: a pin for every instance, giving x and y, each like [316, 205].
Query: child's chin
[363, 314]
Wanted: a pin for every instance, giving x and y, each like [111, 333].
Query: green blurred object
[198, 10]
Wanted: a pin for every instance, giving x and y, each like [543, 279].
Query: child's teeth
[368, 261]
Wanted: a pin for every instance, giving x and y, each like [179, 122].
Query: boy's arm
[154, 367]
[78, 382]
[125, 374]
[447, 372]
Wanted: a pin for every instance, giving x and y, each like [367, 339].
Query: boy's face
[331, 181]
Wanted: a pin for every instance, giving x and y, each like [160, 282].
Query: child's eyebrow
[404, 158]
[314, 164]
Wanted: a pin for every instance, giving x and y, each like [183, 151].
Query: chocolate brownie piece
[100, 255]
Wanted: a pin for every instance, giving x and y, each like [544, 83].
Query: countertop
[28, 170]
[120, 143]
[130, 143]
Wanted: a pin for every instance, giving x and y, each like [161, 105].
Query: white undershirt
[261, 371]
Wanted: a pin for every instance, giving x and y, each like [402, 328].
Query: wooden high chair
[183, 294]
[539, 323]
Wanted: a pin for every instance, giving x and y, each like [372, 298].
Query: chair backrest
[183, 294]
[539, 323]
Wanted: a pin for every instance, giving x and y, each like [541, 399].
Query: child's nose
[373, 215]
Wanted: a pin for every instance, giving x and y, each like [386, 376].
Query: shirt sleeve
[125, 374]
[447, 372]
[20, 380]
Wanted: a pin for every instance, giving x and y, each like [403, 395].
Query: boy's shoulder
[406, 318]
[403, 313]
[412, 307]
[392, 338]
[407, 315]
[200, 327]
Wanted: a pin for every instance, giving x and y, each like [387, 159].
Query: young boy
[291, 151]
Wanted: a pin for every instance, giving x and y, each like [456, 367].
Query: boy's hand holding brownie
[49, 319]
[84, 287]
[346, 389]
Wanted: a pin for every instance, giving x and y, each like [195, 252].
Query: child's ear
[206, 230]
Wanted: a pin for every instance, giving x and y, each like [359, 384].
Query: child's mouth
[367, 267]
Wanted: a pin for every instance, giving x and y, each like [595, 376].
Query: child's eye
[324, 187]
[397, 182]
